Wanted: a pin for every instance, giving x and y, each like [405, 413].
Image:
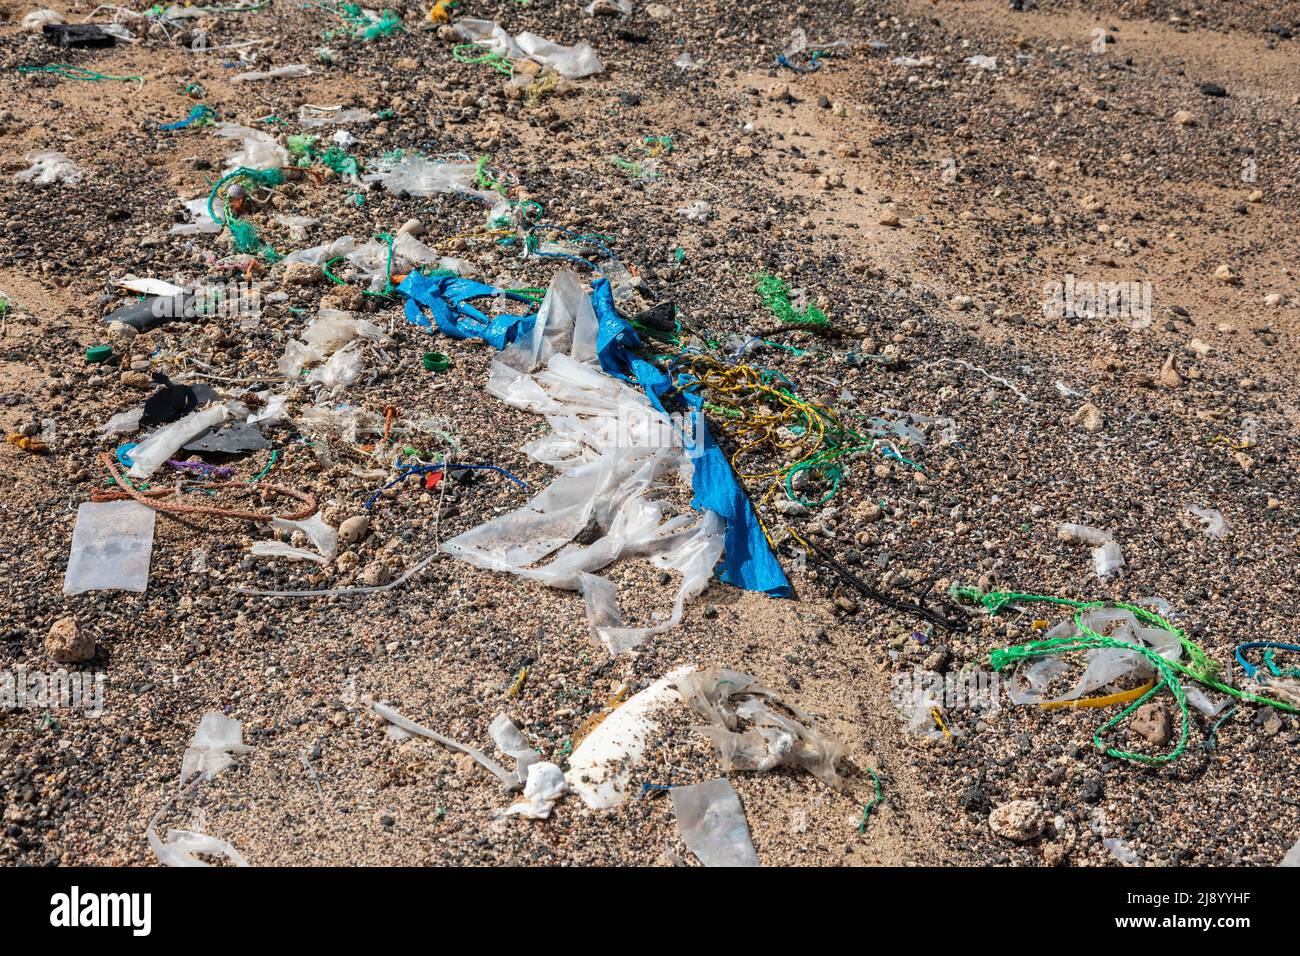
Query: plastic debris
[1215, 524]
[1292, 857]
[112, 544]
[213, 748]
[698, 211]
[571, 62]
[513, 744]
[291, 71]
[728, 699]
[712, 823]
[507, 777]
[614, 483]
[545, 785]
[1107, 556]
[147, 456]
[49, 167]
[211, 751]
[601, 766]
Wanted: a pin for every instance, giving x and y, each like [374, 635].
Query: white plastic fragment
[1216, 526]
[147, 456]
[571, 62]
[148, 286]
[49, 167]
[512, 743]
[35, 21]
[613, 451]
[202, 223]
[1292, 857]
[211, 749]
[1123, 851]
[182, 846]
[601, 767]
[712, 823]
[1107, 556]
[112, 544]
[983, 62]
[775, 734]
[123, 422]
[508, 778]
[698, 211]
[260, 149]
[290, 71]
[545, 785]
[209, 753]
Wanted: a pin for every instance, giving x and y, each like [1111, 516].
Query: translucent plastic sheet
[49, 167]
[259, 150]
[1215, 524]
[1107, 556]
[112, 544]
[729, 700]
[422, 176]
[712, 823]
[615, 453]
[513, 744]
[209, 753]
[571, 62]
[211, 749]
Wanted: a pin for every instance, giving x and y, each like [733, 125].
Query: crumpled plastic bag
[260, 150]
[571, 62]
[1107, 556]
[729, 700]
[616, 454]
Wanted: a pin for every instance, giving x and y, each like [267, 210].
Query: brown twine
[149, 498]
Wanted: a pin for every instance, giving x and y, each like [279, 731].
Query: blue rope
[1270, 646]
[198, 113]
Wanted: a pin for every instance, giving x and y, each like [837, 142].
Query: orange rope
[149, 498]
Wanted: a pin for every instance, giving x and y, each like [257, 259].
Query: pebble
[66, 644]
[1152, 722]
[1019, 820]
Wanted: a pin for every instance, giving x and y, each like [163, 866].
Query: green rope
[275, 453]
[862, 827]
[70, 72]
[243, 233]
[775, 294]
[460, 54]
[1199, 666]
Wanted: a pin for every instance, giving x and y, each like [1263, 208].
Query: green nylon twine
[1199, 667]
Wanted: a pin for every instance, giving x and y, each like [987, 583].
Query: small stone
[1090, 417]
[1184, 118]
[1168, 376]
[1273, 300]
[1152, 722]
[1226, 275]
[66, 644]
[960, 303]
[376, 575]
[354, 529]
[302, 273]
[1019, 820]
[870, 512]
[140, 380]
[1256, 195]
[889, 218]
